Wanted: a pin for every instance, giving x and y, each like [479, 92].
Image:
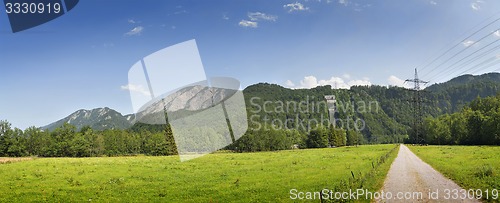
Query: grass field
[472, 167]
[221, 177]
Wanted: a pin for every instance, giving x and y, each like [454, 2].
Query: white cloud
[433, 3]
[346, 76]
[359, 83]
[468, 43]
[132, 21]
[256, 16]
[395, 81]
[336, 83]
[497, 33]
[289, 83]
[224, 16]
[136, 88]
[309, 82]
[136, 31]
[355, 6]
[295, 7]
[247, 23]
[475, 6]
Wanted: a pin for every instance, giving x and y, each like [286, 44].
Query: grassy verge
[377, 176]
[471, 167]
[371, 180]
[245, 177]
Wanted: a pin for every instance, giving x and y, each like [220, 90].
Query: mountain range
[97, 119]
[395, 115]
[187, 99]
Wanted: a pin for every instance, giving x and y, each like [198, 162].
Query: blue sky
[81, 60]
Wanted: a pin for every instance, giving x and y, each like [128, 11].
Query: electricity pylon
[417, 108]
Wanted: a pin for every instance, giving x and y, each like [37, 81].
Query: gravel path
[412, 179]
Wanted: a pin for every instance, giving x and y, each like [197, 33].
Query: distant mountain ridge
[97, 119]
[466, 80]
[190, 98]
[465, 88]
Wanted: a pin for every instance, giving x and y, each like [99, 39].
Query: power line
[468, 56]
[493, 60]
[453, 65]
[488, 66]
[470, 61]
[475, 59]
[479, 56]
[467, 47]
[460, 42]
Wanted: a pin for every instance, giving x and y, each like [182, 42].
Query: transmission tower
[417, 108]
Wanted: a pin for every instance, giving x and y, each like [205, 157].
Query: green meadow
[218, 177]
[471, 167]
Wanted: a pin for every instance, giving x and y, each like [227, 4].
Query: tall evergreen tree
[171, 148]
[332, 136]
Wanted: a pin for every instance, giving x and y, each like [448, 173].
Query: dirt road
[410, 180]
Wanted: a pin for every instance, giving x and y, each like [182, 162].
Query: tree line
[67, 141]
[272, 139]
[478, 123]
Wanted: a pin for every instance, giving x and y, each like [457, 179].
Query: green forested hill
[353, 104]
[463, 89]
[387, 123]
